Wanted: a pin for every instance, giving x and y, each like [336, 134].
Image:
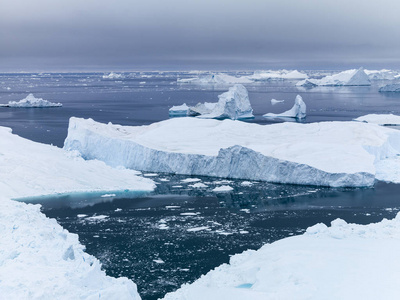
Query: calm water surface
[172, 236]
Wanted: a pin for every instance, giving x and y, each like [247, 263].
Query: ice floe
[355, 77]
[343, 261]
[113, 76]
[298, 111]
[380, 119]
[31, 102]
[274, 101]
[327, 153]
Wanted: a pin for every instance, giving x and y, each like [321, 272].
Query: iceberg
[219, 78]
[277, 75]
[233, 104]
[180, 110]
[113, 76]
[380, 119]
[274, 101]
[323, 154]
[39, 259]
[298, 110]
[381, 74]
[346, 78]
[343, 261]
[31, 102]
[392, 87]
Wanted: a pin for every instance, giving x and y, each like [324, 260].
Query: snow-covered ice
[392, 87]
[343, 261]
[113, 76]
[222, 189]
[219, 78]
[41, 260]
[380, 119]
[277, 75]
[31, 102]
[327, 153]
[298, 110]
[383, 74]
[233, 104]
[355, 77]
[179, 110]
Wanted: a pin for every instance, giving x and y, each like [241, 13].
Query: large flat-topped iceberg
[31, 102]
[33, 169]
[380, 119]
[277, 75]
[219, 78]
[343, 261]
[345, 78]
[329, 153]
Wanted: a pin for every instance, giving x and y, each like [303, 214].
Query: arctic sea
[179, 232]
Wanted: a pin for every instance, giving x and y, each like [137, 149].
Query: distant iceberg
[298, 110]
[277, 75]
[113, 75]
[219, 78]
[346, 78]
[380, 119]
[275, 101]
[392, 88]
[343, 261]
[179, 110]
[324, 154]
[381, 74]
[31, 102]
[233, 104]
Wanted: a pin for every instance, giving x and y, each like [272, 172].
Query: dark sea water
[174, 235]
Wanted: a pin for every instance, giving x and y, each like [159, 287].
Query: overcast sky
[181, 34]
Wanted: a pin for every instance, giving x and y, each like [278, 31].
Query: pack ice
[343, 261]
[233, 104]
[327, 154]
[347, 78]
[38, 258]
[31, 101]
[298, 111]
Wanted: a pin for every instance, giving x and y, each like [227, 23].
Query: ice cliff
[327, 154]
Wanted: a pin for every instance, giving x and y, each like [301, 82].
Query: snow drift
[31, 102]
[298, 111]
[327, 154]
[345, 78]
[343, 261]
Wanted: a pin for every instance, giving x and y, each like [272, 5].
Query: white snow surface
[38, 258]
[380, 119]
[343, 261]
[31, 102]
[383, 74]
[392, 87]
[113, 76]
[355, 77]
[277, 75]
[219, 78]
[41, 260]
[298, 110]
[327, 153]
